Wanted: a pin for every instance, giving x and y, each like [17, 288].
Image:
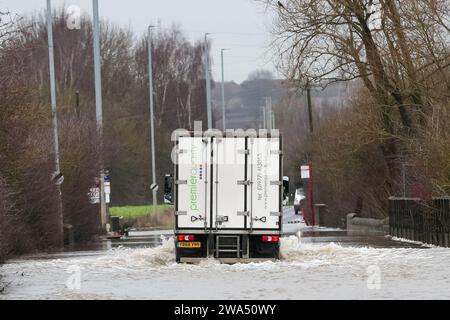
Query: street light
[154, 186]
[99, 107]
[57, 176]
[223, 92]
[208, 82]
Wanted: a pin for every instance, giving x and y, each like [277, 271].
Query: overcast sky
[239, 25]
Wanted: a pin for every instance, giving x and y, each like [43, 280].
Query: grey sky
[240, 25]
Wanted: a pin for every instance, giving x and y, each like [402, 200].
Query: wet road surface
[317, 263]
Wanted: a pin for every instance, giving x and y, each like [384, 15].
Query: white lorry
[228, 195]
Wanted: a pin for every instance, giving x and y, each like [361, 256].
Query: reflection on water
[317, 263]
[136, 239]
[355, 239]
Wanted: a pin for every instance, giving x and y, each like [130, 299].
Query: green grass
[136, 211]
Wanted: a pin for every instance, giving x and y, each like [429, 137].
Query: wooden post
[311, 194]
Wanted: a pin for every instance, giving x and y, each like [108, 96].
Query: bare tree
[391, 46]
[25, 128]
[178, 71]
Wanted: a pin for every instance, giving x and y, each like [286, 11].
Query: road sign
[305, 172]
[57, 178]
[154, 187]
[94, 195]
[108, 188]
[107, 191]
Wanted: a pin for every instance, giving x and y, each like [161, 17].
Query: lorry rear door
[193, 198]
[264, 168]
[228, 188]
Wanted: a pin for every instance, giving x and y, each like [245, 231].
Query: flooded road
[317, 263]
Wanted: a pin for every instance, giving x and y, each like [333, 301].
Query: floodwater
[317, 263]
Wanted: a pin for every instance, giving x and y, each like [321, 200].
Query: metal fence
[418, 220]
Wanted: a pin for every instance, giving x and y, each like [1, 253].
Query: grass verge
[130, 212]
[144, 216]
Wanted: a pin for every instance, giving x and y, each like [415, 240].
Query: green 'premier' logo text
[193, 180]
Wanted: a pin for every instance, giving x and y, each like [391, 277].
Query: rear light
[270, 238]
[186, 237]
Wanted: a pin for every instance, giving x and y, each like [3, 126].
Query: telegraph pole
[404, 179]
[311, 130]
[310, 117]
[223, 93]
[57, 176]
[154, 186]
[99, 109]
[208, 82]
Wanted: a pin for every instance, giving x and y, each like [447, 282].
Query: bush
[5, 212]
[79, 164]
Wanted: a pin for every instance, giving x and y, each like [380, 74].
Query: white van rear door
[193, 197]
[264, 198]
[228, 188]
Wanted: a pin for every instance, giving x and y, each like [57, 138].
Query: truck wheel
[277, 252]
[177, 255]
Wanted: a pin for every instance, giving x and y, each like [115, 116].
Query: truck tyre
[277, 252]
[177, 254]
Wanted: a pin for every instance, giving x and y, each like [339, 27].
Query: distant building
[244, 101]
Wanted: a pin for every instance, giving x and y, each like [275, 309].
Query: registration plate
[189, 244]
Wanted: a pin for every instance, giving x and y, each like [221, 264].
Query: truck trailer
[228, 197]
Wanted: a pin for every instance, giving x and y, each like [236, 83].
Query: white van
[228, 194]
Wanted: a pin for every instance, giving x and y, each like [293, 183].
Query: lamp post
[57, 177]
[208, 82]
[154, 186]
[99, 108]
